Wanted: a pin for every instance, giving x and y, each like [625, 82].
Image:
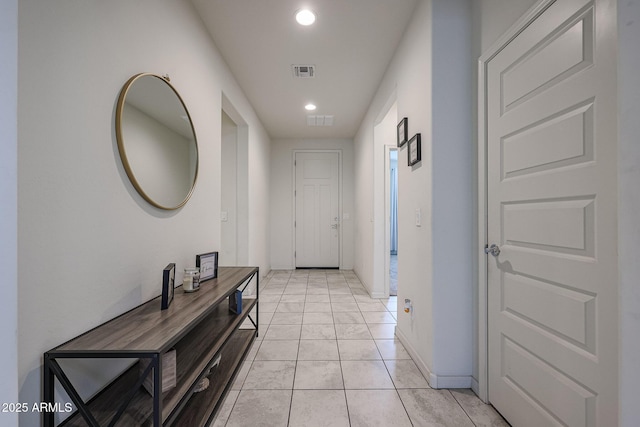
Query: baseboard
[378, 295]
[435, 381]
[416, 358]
[446, 381]
[281, 268]
[475, 386]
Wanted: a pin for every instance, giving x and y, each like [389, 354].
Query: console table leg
[48, 386]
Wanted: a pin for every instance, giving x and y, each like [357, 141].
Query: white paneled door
[551, 188]
[317, 216]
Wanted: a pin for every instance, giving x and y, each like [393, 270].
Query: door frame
[481, 387]
[387, 219]
[293, 205]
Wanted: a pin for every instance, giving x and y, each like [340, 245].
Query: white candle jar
[191, 280]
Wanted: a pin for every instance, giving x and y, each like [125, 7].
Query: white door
[551, 159]
[317, 221]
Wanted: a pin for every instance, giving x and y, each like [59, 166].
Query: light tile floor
[327, 356]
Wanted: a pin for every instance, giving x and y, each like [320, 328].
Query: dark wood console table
[199, 326]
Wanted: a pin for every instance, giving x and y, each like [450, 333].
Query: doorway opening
[393, 221]
[234, 188]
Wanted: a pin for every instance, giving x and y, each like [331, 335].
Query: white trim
[435, 381]
[481, 387]
[475, 386]
[378, 295]
[387, 218]
[431, 379]
[282, 267]
[446, 381]
[293, 197]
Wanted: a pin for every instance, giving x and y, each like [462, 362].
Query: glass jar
[191, 280]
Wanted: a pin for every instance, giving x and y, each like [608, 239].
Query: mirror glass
[156, 140]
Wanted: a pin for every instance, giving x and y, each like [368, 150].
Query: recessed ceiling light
[310, 107]
[305, 17]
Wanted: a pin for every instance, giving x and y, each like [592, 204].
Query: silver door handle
[334, 226]
[493, 250]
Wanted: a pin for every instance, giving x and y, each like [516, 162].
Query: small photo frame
[168, 282]
[208, 264]
[403, 132]
[415, 154]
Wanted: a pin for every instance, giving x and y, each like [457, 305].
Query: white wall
[409, 77]
[629, 206]
[89, 247]
[425, 92]
[9, 206]
[363, 202]
[282, 203]
[453, 186]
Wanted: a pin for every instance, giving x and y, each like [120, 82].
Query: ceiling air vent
[316, 120]
[304, 71]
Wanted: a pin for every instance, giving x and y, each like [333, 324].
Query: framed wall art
[208, 264]
[415, 154]
[168, 282]
[403, 132]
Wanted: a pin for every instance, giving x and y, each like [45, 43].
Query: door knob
[493, 250]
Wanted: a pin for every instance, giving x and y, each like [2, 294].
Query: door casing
[481, 387]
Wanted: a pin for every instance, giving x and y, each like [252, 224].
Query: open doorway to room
[234, 210]
[229, 204]
[392, 200]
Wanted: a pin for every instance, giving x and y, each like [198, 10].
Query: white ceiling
[351, 44]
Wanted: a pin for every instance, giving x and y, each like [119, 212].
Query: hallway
[326, 356]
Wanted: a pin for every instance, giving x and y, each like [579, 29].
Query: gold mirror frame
[121, 142]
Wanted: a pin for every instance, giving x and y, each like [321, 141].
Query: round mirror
[156, 141]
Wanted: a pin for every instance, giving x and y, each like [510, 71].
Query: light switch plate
[224, 216]
[418, 218]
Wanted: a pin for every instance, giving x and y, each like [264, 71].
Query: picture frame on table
[208, 264]
[168, 285]
[403, 132]
[414, 151]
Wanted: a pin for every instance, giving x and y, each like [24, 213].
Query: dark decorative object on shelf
[403, 132]
[168, 280]
[415, 154]
[208, 264]
[235, 302]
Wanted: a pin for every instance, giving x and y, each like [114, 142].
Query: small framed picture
[208, 264]
[168, 281]
[403, 132]
[415, 154]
